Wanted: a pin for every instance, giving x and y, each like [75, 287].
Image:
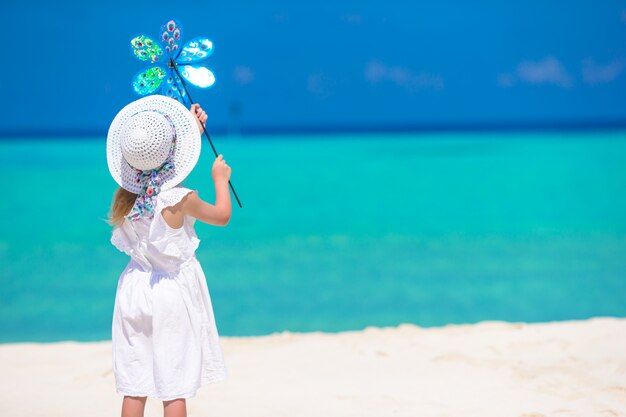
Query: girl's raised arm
[218, 214]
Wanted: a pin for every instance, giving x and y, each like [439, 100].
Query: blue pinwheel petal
[195, 50]
[173, 87]
[146, 49]
[198, 75]
[171, 38]
[148, 80]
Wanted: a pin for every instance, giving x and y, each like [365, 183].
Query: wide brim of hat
[187, 150]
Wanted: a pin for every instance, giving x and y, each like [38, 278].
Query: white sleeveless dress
[164, 336]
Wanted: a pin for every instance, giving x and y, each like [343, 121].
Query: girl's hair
[123, 201]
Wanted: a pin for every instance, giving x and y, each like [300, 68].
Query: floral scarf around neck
[150, 180]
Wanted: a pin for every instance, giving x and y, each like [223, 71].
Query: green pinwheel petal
[146, 49]
[148, 80]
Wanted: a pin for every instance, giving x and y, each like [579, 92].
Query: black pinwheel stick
[172, 64]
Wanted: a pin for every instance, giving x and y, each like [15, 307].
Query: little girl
[164, 337]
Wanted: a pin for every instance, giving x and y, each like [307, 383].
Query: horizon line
[582, 125]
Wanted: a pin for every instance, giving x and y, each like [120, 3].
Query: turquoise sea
[337, 232]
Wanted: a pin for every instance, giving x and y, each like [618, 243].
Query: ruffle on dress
[164, 247]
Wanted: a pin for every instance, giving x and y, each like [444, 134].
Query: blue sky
[326, 65]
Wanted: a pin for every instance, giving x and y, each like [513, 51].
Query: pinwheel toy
[165, 76]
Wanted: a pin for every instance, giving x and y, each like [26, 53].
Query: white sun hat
[140, 139]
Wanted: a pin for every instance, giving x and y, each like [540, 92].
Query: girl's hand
[220, 170]
[200, 116]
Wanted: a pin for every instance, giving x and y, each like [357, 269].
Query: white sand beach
[574, 368]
